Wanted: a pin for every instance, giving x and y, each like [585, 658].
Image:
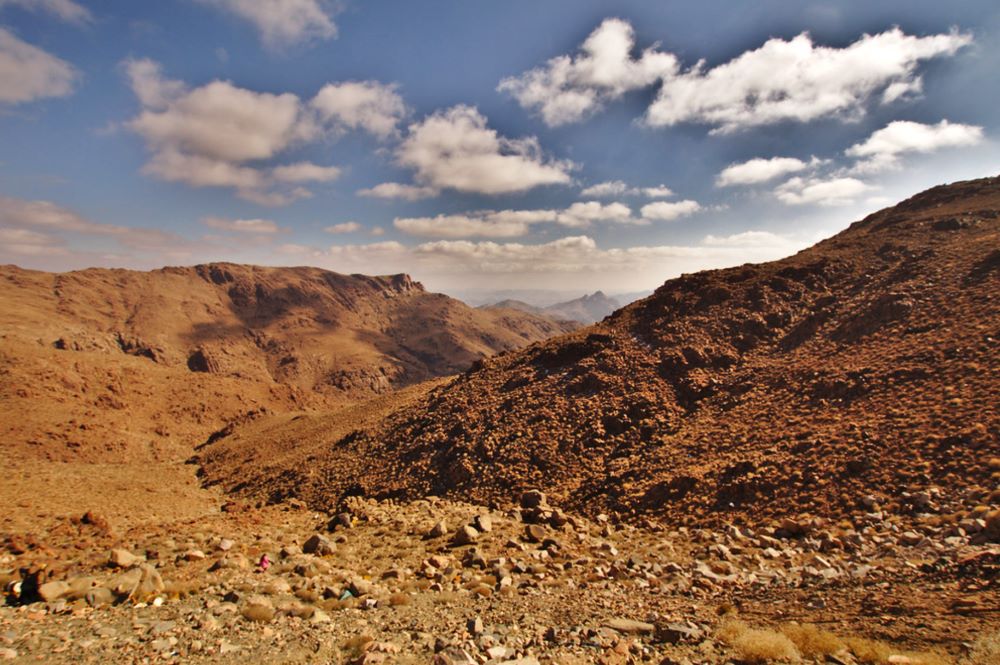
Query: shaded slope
[864, 369]
[118, 365]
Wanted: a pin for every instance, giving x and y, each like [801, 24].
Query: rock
[318, 545]
[225, 545]
[259, 610]
[342, 521]
[438, 530]
[361, 587]
[475, 626]
[534, 533]
[51, 591]
[910, 538]
[194, 555]
[123, 559]
[630, 626]
[533, 499]
[453, 656]
[483, 523]
[465, 536]
[676, 633]
[8, 654]
[99, 596]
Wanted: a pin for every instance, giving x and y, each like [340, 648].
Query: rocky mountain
[858, 374]
[586, 309]
[113, 363]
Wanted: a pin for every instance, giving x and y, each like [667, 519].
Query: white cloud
[305, 172]
[833, 191]
[751, 239]
[581, 214]
[567, 89]
[345, 227]
[798, 81]
[218, 134]
[658, 192]
[28, 73]
[283, 22]
[67, 10]
[485, 224]
[255, 226]
[395, 190]
[664, 211]
[513, 223]
[882, 150]
[454, 149]
[792, 80]
[613, 188]
[369, 105]
[758, 170]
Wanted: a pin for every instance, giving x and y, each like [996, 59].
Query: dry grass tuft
[397, 599]
[813, 642]
[757, 646]
[986, 650]
[871, 652]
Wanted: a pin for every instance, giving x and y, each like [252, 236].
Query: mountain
[117, 365]
[586, 309]
[860, 372]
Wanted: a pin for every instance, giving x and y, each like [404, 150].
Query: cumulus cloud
[454, 149]
[218, 135]
[751, 239]
[484, 224]
[826, 192]
[796, 80]
[254, 226]
[368, 105]
[28, 73]
[569, 88]
[669, 211]
[284, 22]
[759, 170]
[513, 223]
[305, 172]
[883, 149]
[345, 227]
[67, 10]
[581, 214]
[395, 190]
[614, 188]
[782, 80]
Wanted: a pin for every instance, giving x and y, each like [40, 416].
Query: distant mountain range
[586, 309]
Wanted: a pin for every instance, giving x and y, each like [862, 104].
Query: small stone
[483, 523]
[438, 530]
[120, 558]
[630, 626]
[51, 591]
[194, 555]
[318, 545]
[534, 533]
[8, 654]
[533, 499]
[475, 626]
[225, 545]
[465, 536]
[163, 627]
[258, 612]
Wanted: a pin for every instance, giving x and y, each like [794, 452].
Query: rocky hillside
[109, 364]
[860, 374]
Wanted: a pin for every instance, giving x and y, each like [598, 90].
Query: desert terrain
[795, 461]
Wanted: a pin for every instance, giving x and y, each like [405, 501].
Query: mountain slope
[116, 364]
[586, 309]
[860, 371]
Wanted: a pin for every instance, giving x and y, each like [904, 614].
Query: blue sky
[566, 145]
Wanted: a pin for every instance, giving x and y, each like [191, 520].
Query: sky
[565, 145]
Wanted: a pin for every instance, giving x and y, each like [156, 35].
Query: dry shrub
[356, 645]
[813, 642]
[871, 652]
[398, 599]
[757, 646]
[985, 651]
